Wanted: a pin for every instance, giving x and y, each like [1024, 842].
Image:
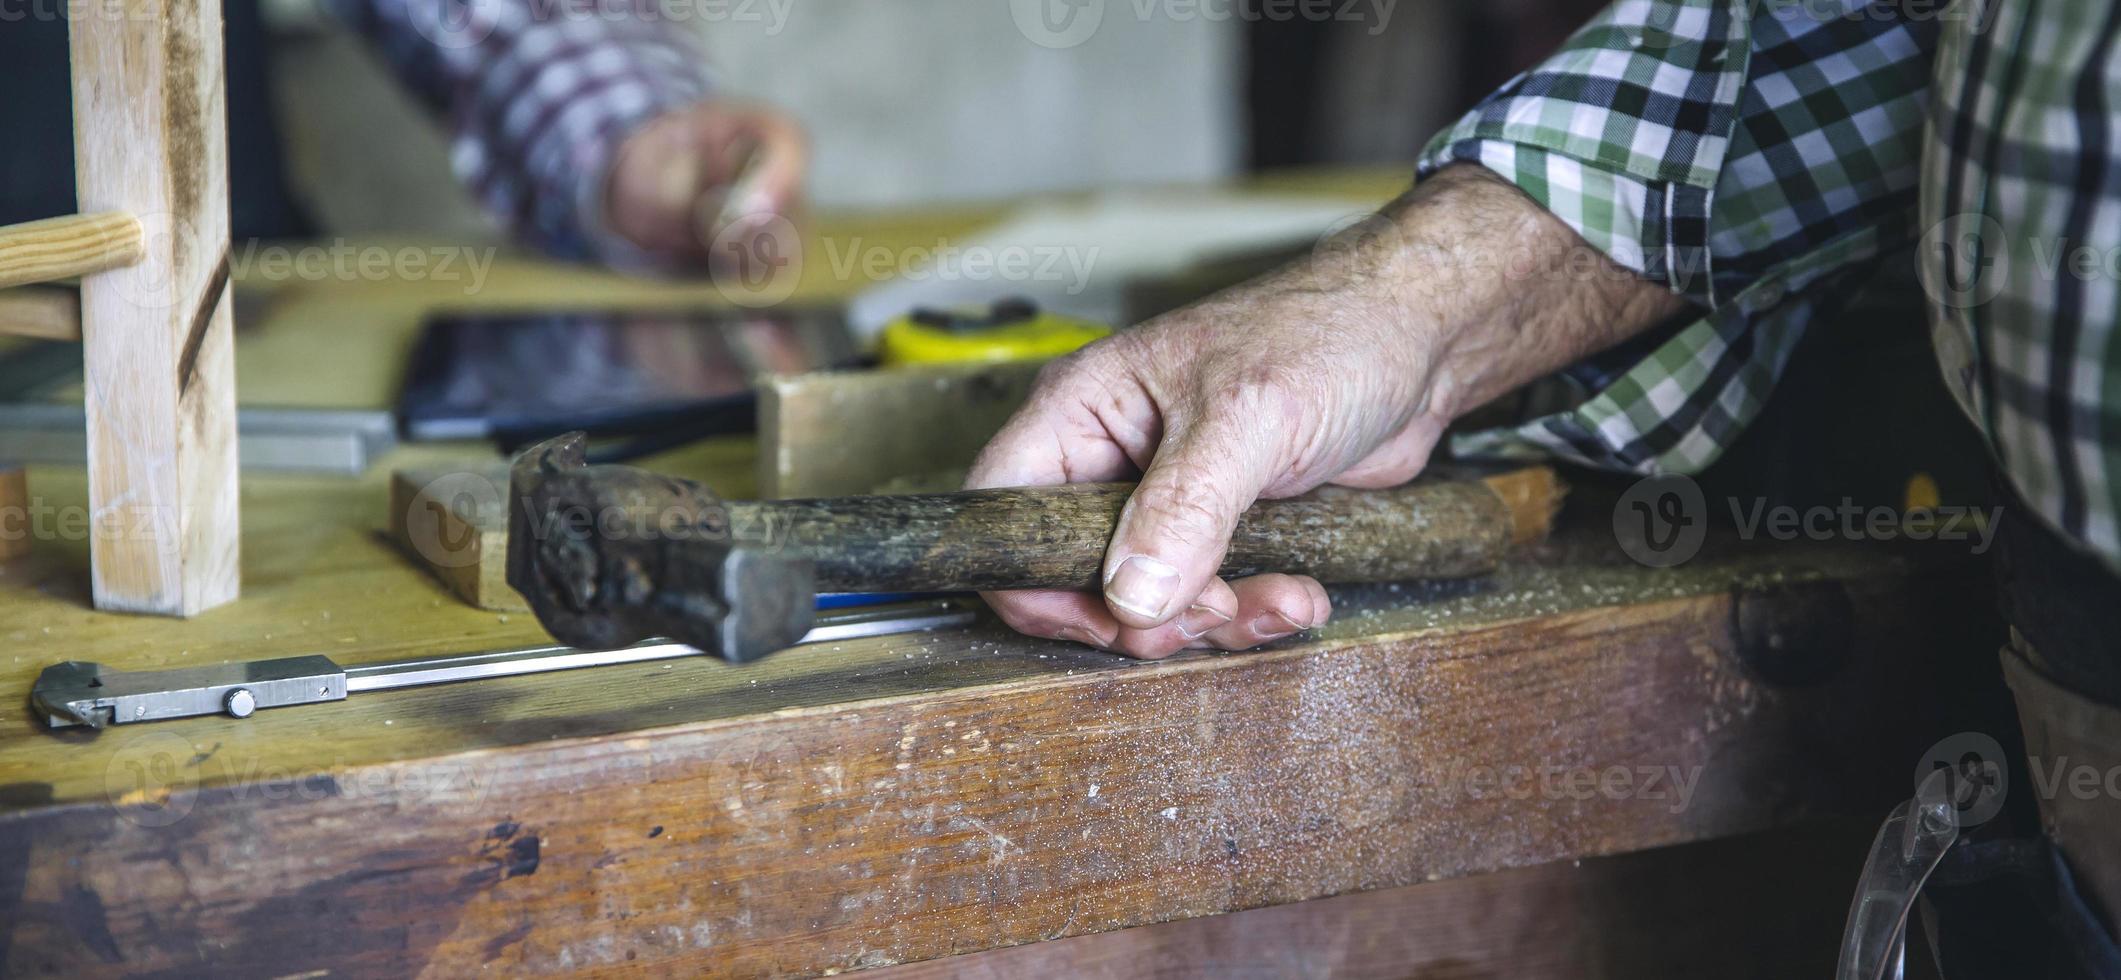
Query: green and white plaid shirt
[1760, 156]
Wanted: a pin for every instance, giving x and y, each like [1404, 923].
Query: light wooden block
[150, 140]
[831, 433]
[454, 523]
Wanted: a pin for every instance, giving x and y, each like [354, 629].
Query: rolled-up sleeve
[1752, 158]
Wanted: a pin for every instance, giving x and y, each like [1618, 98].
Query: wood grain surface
[150, 140]
[68, 247]
[1055, 537]
[1758, 907]
[890, 800]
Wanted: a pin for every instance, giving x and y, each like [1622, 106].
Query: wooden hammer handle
[68, 247]
[1055, 537]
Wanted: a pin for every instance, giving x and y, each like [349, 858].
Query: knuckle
[1088, 361]
[1261, 393]
[1074, 384]
[1057, 372]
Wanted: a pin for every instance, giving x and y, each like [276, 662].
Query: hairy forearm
[1343, 367]
[1494, 289]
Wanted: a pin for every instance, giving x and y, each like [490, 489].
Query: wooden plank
[68, 247]
[174, 884]
[453, 521]
[1759, 907]
[150, 140]
[835, 433]
[41, 312]
[888, 801]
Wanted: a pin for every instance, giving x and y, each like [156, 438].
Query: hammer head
[612, 555]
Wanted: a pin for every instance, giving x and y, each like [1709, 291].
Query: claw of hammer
[611, 555]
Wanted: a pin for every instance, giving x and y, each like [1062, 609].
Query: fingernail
[745, 202]
[1199, 619]
[1274, 625]
[1142, 586]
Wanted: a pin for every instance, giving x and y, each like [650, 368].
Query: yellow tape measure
[1010, 330]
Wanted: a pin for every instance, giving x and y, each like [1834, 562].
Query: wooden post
[150, 140]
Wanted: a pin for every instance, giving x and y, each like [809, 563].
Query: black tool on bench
[638, 381]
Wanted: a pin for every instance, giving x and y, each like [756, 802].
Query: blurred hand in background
[703, 182]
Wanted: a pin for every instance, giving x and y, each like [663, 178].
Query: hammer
[610, 555]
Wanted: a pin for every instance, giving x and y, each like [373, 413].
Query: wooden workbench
[887, 801]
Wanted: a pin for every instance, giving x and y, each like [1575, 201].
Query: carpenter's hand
[1341, 368]
[671, 181]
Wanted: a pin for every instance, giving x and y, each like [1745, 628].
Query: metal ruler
[288, 440]
[81, 693]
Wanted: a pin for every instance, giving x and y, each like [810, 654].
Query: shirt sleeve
[539, 94]
[1755, 159]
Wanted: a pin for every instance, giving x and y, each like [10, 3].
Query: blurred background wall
[921, 101]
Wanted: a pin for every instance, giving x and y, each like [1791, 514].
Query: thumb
[766, 181]
[1175, 528]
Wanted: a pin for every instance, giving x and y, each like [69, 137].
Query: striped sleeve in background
[539, 94]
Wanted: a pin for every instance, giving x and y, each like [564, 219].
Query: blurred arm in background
[589, 128]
